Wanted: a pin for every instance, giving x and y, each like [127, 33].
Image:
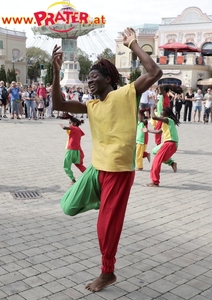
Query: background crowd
[189, 106]
[34, 101]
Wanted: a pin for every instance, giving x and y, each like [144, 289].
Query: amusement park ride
[68, 24]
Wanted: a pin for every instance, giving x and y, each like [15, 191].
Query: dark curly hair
[75, 121]
[106, 68]
[169, 114]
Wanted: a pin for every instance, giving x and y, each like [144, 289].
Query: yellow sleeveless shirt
[113, 124]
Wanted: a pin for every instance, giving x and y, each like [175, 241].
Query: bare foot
[174, 167]
[148, 157]
[73, 181]
[151, 184]
[101, 282]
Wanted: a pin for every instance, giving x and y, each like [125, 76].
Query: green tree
[49, 75]
[134, 74]
[85, 64]
[35, 58]
[35, 54]
[3, 75]
[34, 71]
[107, 54]
[11, 75]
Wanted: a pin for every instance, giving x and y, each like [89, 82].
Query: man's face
[96, 82]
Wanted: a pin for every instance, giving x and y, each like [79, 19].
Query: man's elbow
[159, 73]
[56, 106]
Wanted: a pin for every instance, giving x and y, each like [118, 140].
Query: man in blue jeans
[29, 97]
[14, 92]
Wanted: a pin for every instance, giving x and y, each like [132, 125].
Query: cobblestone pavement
[165, 251]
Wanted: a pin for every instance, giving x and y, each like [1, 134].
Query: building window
[147, 48]
[1, 44]
[207, 49]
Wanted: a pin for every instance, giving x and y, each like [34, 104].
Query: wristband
[130, 43]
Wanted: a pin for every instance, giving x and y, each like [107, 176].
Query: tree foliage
[107, 54]
[11, 75]
[134, 74]
[34, 71]
[3, 75]
[34, 54]
[85, 64]
[36, 58]
[49, 75]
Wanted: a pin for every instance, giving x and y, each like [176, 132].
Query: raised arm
[58, 101]
[153, 71]
[158, 118]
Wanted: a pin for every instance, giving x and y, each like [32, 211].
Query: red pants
[163, 154]
[80, 166]
[158, 136]
[115, 191]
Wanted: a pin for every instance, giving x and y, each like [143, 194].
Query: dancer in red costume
[162, 103]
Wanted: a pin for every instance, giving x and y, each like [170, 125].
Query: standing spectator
[189, 97]
[208, 105]
[208, 96]
[29, 98]
[3, 99]
[178, 100]
[171, 98]
[14, 92]
[198, 98]
[49, 107]
[86, 96]
[144, 102]
[79, 90]
[42, 92]
[21, 102]
[74, 93]
[152, 97]
[40, 108]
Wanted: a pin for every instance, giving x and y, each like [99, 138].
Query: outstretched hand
[61, 125]
[57, 58]
[145, 130]
[128, 35]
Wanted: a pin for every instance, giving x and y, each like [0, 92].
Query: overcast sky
[119, 14]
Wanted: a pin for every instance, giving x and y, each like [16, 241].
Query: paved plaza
[165, 251]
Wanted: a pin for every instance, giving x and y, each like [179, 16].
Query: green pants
[71, 157]
[83, 195]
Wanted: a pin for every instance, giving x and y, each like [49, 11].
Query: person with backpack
[3, 99]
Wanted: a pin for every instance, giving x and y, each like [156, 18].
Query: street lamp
[13, 62]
